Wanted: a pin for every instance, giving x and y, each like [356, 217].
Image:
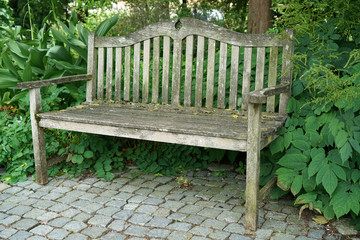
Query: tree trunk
[259, 20]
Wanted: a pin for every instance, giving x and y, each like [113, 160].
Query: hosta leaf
[341, 138]
[345, 152]
[329, 181]
[296, 185]
[285, 178]
[293, 161]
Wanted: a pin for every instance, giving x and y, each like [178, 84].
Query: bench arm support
[48, 82]
[260, 96]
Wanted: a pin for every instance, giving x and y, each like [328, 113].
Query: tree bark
[259, 20]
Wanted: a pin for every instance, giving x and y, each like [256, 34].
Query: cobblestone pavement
[143, 206]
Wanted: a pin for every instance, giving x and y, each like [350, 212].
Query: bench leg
[253, 167]
[38, 137]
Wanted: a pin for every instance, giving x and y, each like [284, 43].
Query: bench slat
[176, 74]
[199, 71]
[234, 75]
[155, 76]
[222, 75]
[136, 72]
[188, 70]
[146, 68]
[118, 72]
[273, 64]
[165, 71]
[246, 77]
[127, 73]
[109, 73]
[210, 74]
[260, 68]
[91, 69]
[101, 63]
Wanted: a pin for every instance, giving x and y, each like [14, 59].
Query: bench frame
[252, 102]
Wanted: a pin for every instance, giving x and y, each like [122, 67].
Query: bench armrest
[260, 96]
[48, 82]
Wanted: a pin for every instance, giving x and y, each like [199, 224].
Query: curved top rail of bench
[178, 29]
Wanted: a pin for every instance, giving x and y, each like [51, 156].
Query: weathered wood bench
[199, 101]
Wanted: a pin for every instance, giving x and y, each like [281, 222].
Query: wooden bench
[201, 91]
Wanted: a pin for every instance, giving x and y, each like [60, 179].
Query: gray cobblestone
[58, 234]
[172, 205]
[76, 236]
[124, 214]
[219, 235]
[316, 233]
[137, 199]
[178, 216]
[99, 220]
[179, 226]
[147, 209]
[20, 235]
[41, 230]
[275, 225]
[47, 216]
[113, 236]
[59, 222]
[7, 232]
[139, 219]
[235, 228]
[229, 217]
[214, 224]
[159, 222]
[117, 225]
[25, 224]
[178, 235]
[75, 226]
[9, 220]
[158, 233]
[94, 232]
[209, 212]
[282, 236]
[202, 231]
[137, 231]
[82, 217]
[70, 212]
[59, 207]
[19, 210]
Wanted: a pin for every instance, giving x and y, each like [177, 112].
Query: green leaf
[355, 144]
[340, 204]
[321, 173]
[7, 79]
[354, 203]
[36, 58]
[329, 181]
[341, 138]
[59, 53]
[78, 159]
[106, 25]
[287, 139]
[318, 160]
[88, 154]
[285, 178]
[355, 175]
[309, 183]
[339, 171]
[293, 161]
[296, 185]
[277, 145]
[306, 198]
[312, 123]
[9, 65]
[345, 152]
[27, 74]
[302, 145]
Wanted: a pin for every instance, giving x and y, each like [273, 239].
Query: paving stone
[179, 226]
[17, 199]
[7, 232]
[67, 200]
[59, 222]
[109, 193]
[41, 230]
[52, 196]
[115, 203]
[147, 209]
[209, 212]
[91, 208]
[238, 237]
[25, 224]
[276, 216]
[282, 236]
[296, 229]
[207, 204]
[21, 235]
[117, 225]
[219, 235]
[165, 188]
[274, 225]
[12, 190]
[306, 238]
[316, 233]
[174, 197]
[94, 232]
[58, 234]
[88, 196]
[139, 219]
[172, 205]
[4, 196]
[214, 224]
[153, 201]
[59, 207]
[100, 220]
[202, 231]
[343, 226]
[5, 206]
[44, 204]
[158, 194]
[129, 188]
[108, 211]
[124, 214]
[158, 233]
[191, 209]
[235, 228]
[113, 236]
[28, 202]
[19, 210]
[159, 222]
[144, 191]
[178, 216]
[136, 231]
[25, 192]
[36, 238]
[194, 219]
[224, 206]
[9, 220]
[70, 212]
[75, 226]
[82, 217]
[263, 233]
[47, 216]
[229, 216]
[178, 235]
[162, 212]
[74, 194]
[273, 206]
[77, 236]
[131, 206]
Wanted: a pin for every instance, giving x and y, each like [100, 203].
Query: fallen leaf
[320, 220]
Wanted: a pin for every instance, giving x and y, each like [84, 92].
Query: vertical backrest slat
[246, 77]
[127, 73]
[146, 68]
[188, 70]
[176, 73]
[222, 75]
[286, 71]
[234, 76]
[166, 71]
[109, 73]
[199, 71]
[101, 63]
[155, 75]
[91, 69]
[136, 72]
[273, 64]
[118, 72]
[260, 68]
[210, 74]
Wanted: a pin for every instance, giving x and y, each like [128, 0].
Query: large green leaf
[318, 161]
[355, 144]
[341, 138]
[294, 161]
[106, 25]
[345, 152]
[277, 145]
[329, 181]
[9, 65]
[306, 198]
[301, 144]
[7, 80]
[296, 185]
[60, 37]
[285, 178]
[339, 171]
[27, 74]
[37, 58]
[59, 53]
[70, 67]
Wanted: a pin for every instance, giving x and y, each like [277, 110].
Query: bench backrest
[188, 62]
